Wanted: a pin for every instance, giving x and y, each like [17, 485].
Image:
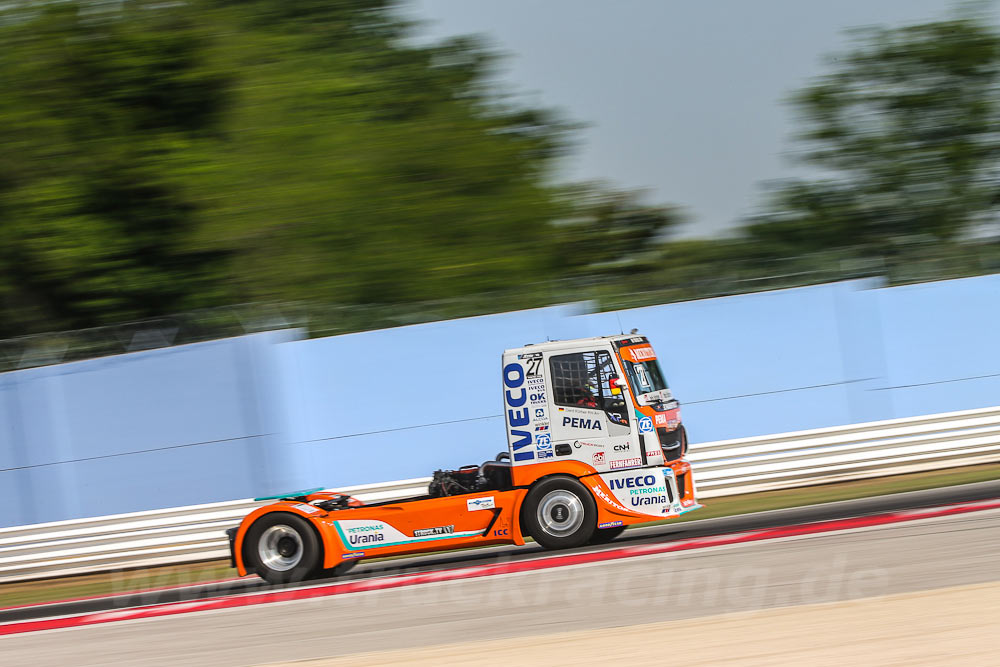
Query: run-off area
[831, 567]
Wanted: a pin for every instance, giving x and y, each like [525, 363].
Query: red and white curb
[398, 581]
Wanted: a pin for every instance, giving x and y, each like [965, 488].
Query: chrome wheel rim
[560, 513]
[280, 548]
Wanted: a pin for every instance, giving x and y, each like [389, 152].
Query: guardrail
[725, 467]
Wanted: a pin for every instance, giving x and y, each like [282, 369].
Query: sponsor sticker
[543, 440]
[583, 443]
[661, 420]
[645, 425]
[371, 533]
[353, 554]
[580, 422]
[539, 413]
[518, 414]
[599, 492]
[643, 490]
[474, 504]
[642, 353]
[437, 530]
[361, 534]
[305, 507]
[609, 524]
[598, 458]
[544, 454]
[625, 463]
[653, 453]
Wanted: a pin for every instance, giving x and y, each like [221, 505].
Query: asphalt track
[506, 554]
[821, 567]
[815, 568]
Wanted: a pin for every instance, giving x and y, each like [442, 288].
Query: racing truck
[595, 443]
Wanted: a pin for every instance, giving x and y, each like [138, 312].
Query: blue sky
[684, 99]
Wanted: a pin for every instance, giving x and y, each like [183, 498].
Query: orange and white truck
[595, 444]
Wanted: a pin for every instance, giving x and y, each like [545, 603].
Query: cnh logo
[633, 482]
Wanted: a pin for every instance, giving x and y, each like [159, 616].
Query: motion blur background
[166, 158]
[192, 171]
[249, 247]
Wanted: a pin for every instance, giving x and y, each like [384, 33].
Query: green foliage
[904, 130]
[609, 233]
[169, 156]
[99, 119]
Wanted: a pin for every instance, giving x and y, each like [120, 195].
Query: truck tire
[340, 569]
[282, 548]
[605, 535]
[559, 513]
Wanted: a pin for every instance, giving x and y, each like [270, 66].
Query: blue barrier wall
[399, 403]
[270, 413]
[763, 363]
[176, 426]
[941, 346]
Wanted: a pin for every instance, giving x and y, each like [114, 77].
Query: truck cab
[596, 406]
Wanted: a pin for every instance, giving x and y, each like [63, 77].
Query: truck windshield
[645, 376]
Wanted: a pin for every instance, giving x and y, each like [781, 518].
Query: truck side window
[574, 380]
[583, 380]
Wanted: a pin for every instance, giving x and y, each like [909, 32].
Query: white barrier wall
[722, 468]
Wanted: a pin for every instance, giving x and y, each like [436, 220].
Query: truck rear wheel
[281, 548]
[559, 513]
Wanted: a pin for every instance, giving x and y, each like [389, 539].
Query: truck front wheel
[559, 513]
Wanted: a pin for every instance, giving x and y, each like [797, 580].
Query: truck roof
[575, 342]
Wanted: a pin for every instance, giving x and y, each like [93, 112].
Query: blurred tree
[361, 168]
[904, 132]
[168, 156]
[610, 232]
[103, 115]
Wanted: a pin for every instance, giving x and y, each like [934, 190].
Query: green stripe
[347, 544]
[293, 494]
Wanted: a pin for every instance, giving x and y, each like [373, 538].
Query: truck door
[589, 410]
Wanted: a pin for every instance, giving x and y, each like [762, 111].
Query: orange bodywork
[466, 527]
[456, 520]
